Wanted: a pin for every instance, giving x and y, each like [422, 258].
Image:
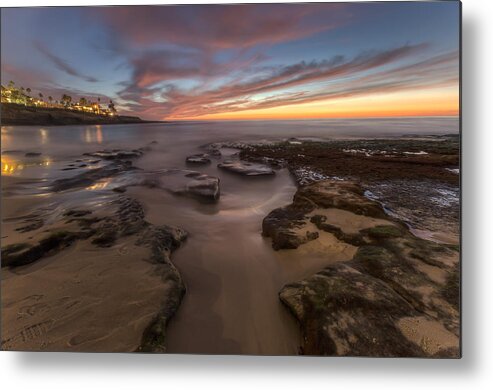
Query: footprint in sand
[83, 338]
[123, 250]
[35, 297]
[27, 334]
[34, 331]
[31, 310]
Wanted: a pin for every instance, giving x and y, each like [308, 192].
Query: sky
[245, 62]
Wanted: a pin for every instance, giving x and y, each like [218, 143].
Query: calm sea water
[57, 141]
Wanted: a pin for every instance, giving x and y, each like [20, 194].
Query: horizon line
[309, 119]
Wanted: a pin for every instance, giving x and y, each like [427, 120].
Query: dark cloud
[219, 26]
[62, 64]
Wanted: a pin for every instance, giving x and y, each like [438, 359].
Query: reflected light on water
[99, 134]
[11, 167]
[101, 185]
[94, 134]
[6, 137]
[44, 136]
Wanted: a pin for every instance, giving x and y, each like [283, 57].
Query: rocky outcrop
[415, 177]
[394, 298]
[123, 219]
[246, 168]
[290, 226]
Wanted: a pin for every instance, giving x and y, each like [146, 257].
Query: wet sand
[80, 300]
[231, 272]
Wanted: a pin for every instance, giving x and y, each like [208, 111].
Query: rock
[346, 313]
[198, 159]
[395, 287]
[33, 224]
[116, 154]
[287, 226]
[204, 186]
[188, 183]
[10, 152]
[344, 195]
[162, 241]
[358, 308]
[294, 141]
[216, 152]
[22, 254]
[90, 177]
[77, 213]
[246, 168]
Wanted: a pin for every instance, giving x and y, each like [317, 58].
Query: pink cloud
[349, 78]
[221, 27]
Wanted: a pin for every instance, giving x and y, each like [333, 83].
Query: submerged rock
[246, 168]
[32, 224]
[116, 154]
[88, 178]
[189, 183]
[202, 158]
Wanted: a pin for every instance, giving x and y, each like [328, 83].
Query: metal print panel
[268, 179]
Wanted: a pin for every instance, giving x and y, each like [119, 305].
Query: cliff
[15, 114]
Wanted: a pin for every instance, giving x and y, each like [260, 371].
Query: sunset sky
[283, 61]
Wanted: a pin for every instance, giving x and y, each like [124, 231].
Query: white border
[125, 371]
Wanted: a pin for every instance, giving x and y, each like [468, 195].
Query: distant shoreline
[18, 115]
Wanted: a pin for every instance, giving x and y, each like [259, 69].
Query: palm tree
[40, 96]
[22, 96]
[50, 99]
[66, 99]
[28, 90]
[11, 84]
[111, 107]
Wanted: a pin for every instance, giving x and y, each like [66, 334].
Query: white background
[474, 371]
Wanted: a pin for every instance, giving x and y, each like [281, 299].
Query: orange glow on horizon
[416, 103]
